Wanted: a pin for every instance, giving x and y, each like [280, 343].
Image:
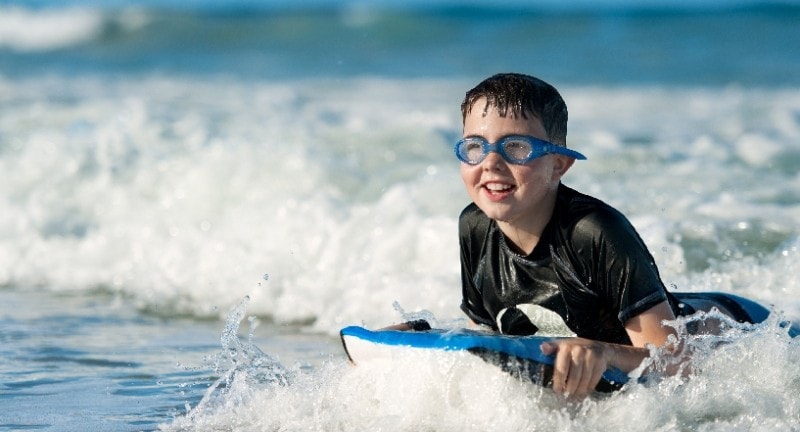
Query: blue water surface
[608, 42]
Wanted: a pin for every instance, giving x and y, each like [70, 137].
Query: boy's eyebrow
[501, 138]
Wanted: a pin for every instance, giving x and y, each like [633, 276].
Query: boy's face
[520, 195]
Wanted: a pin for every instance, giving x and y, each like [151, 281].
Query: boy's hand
[579, 365]
[416, 325]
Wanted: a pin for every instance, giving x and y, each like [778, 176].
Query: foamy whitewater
[205, 232]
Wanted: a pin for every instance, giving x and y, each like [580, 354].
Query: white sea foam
[183, 193]
[29, 30]
[45, 29]
[746, 383]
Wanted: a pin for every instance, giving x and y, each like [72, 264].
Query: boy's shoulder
[473, 216]
[471, 211]
[579, 209]
[584, 215]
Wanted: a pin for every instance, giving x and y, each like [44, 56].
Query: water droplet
[266, 276]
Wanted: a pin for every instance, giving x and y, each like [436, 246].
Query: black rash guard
[590, 267]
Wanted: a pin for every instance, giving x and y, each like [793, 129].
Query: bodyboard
[520, 356]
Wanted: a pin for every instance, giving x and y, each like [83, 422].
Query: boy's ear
[561, 165]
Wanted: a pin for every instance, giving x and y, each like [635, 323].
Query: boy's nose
[493, 160]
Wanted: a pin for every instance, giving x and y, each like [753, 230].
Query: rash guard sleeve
[616, 263]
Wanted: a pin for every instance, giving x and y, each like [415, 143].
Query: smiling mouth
[498, 188]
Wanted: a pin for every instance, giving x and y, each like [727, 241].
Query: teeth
[496, 187]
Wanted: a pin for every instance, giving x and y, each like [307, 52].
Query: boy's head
[519, 95]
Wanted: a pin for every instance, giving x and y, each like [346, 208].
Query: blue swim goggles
[516, 149]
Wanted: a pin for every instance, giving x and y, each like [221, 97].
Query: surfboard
[520, 356]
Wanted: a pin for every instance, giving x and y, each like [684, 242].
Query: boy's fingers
[561, 371]
[548, 348]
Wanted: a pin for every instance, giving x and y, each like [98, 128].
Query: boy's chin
[499, 213]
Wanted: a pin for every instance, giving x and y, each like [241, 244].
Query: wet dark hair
[522, 95]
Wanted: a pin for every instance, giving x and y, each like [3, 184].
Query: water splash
[744, 378]
[239, 362]
[698, 353]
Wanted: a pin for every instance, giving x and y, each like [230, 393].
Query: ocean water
[198, 195]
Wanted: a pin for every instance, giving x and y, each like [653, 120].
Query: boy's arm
[580, 363]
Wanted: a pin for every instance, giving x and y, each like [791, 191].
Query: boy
[537, 254]
[539, 257]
